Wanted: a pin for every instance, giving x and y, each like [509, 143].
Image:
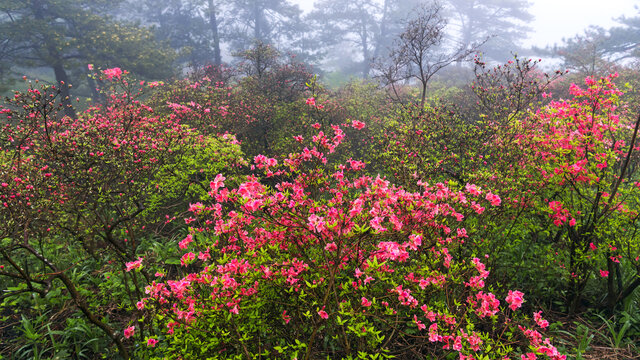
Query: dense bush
[333, 263]
[358, 227]
[81, 196]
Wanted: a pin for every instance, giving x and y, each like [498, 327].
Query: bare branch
[419, 53]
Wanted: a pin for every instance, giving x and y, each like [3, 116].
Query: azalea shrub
[86, 194]
[566, 172]
[258, 101]
[355, 227]
[580, 156]
[565, 168]
[333, 264]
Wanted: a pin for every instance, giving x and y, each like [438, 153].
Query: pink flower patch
[128, 332]
[515, 299]
[604, 273]
[323, 314]
[134, 264]
[493, 199]
[357, 124]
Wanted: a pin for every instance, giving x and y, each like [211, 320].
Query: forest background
[365, 179]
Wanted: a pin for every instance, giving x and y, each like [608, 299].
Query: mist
[327, 179]
[340, 40]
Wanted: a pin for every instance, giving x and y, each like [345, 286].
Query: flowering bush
[333, 263]
[580, 157]
[565, 172]
[305, 251]
[83, 193]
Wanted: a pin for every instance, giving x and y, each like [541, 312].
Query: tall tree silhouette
[503, 22]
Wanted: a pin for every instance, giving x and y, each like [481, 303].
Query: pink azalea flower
[473, 189]
[128, 332]
[493, 199]
[488, 304]
[457, 343]
[331, 246]
[515, 299]
[152, 342]
[539, 320]
[316, 223]
[185, 242]
[111, 73]
[604, 273]
[286, 317]
[323, 314]
[134, 264]
[357, 124]
[433, 333]
[187, 258]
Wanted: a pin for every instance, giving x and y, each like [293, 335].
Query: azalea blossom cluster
[97, 174]
[578, 151]
[332, 253]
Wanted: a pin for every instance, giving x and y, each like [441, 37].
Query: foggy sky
[555, 19]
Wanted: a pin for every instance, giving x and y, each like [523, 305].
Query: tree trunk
[423, 99]
[54, 59]
[213, 23]
[612, 294]
[366, 62]
[257, 15]
[383, 31]
[63, 82]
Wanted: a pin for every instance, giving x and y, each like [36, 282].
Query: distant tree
[199, 29]
[271, 86]
[212, 11]
[504, 22]
[275, 22]
[367, 27]
[624, 41]
[420, 52]
[588, 54]
[597, 50]
[190, 27]
[66, 35]
[353, 22]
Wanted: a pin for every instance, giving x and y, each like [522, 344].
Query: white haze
[558, 19]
